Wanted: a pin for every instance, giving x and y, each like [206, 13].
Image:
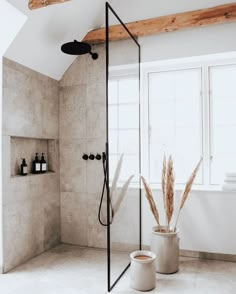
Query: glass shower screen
[123, 146]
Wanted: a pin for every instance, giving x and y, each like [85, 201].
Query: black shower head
[78, 48]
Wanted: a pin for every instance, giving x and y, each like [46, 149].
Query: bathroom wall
[82, 107]
[31, 204]
[208, 218]
[8, 31]
[82, 130]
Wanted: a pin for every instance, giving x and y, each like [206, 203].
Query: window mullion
[206, 126]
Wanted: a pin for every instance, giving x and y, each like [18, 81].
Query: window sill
[201, 188]
[180, 188]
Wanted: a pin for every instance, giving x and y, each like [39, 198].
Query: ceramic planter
[142, 272]
[166, 247]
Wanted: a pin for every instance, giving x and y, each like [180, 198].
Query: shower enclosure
[123, 162]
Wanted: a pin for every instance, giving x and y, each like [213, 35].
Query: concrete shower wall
[82, 130]
[31, 204]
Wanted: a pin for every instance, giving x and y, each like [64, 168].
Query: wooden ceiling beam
[191, 19]
[35, 4]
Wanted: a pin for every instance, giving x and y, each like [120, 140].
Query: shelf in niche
[31, 174]
[26, 147]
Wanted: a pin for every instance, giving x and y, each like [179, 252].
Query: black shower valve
[85, 156]
[98, 156]
[91, 156]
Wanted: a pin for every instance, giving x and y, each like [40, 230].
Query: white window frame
[119, 72]
[204, 63]
[211, 134]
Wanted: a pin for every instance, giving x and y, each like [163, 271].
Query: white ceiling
[37, 45]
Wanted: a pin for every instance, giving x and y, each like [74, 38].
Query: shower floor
[75, 270]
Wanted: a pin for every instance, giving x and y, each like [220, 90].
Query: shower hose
[103, 191]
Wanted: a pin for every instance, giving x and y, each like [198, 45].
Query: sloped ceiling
[37, 45]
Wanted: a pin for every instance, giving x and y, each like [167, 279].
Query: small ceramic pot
[142, 271]
[166, 247]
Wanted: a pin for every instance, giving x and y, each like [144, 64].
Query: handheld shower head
[78, 48]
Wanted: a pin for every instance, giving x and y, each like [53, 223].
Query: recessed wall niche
[26, 148]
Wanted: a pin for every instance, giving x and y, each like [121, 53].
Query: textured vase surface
[166, 247]
[142, 272]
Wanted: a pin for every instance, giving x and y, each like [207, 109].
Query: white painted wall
[11, 21]
[38, 44]
[207, 221]
[190, 42]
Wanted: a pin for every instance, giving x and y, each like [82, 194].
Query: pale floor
[75, 270]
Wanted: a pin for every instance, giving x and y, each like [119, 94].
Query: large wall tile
[6, 159]
[96, 122]
[95, 172]
[76, 73]
[22, 231]
[50, 113]
[52, 222]
[30, 104]
[96, 95]
[82, 116]
[73, 112]
[72, 166]
[74, 220]
[96, 69]
[31, 211]
[97, 232]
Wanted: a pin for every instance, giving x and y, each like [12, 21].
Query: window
[124, 125]
[188, 110]
[191, 113]
[223, 121]
[175, 122]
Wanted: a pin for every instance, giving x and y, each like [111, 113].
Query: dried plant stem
[187, 189]
[163, 181]
[151, 200]
[169, 192]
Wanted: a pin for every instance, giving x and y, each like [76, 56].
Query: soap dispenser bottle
[23, 168]
[43, 164]
[36, 165]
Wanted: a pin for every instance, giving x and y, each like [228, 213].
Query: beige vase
[142, 271]
[166, 247]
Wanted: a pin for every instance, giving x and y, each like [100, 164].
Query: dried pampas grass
[151, 200]
[169, 192]
[163, 181]
[187, 189]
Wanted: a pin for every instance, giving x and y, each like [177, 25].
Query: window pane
[130, 167]
[128, 116]
[124, 125]
[128, 141]
[223, 104]
[113, 116]
[128, 89]
[113, 87]
[175, 122]
[113, 160]
[113, 141]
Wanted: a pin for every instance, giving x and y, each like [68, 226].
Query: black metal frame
[109, 285]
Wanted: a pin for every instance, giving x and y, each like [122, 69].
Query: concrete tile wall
[82, 130]
[31, 204]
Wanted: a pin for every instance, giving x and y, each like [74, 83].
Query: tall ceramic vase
[166, 247]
